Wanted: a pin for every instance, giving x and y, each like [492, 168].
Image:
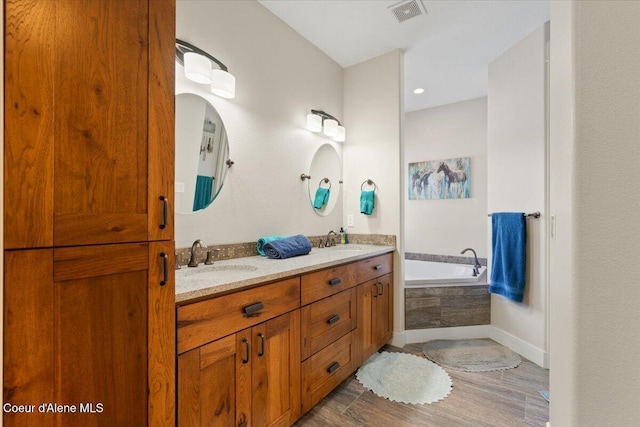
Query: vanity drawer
[324, 283]
[375, 267]
[323, 371]
[205, 321]
[326, 320]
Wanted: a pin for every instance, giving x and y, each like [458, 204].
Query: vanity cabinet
[239, 361]
[89, 307]
[347, 318]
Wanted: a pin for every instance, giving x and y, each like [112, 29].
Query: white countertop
[234, 274]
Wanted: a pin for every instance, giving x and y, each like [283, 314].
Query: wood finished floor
[506, 398]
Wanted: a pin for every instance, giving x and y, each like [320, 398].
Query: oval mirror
[326, 180]
[202, 150]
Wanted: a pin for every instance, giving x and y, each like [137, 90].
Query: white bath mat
[404, 378]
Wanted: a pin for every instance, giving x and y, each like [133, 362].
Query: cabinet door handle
[165, 268]
[381, 288]
[165, 211]
[334, 367]
[261, 350]
[335, 281]
[333, 319]
[378, 267]
[252, 309]
[245, 344]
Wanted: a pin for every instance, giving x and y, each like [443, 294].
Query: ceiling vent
[406, 10]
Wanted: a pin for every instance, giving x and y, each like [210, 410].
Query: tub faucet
[193, 261]
[331, 242]
[476, 267]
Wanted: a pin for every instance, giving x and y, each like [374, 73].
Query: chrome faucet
[476, 267]
[328, 243]
[193, 261]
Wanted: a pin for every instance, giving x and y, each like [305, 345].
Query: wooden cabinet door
[214, 383]
[375, 316]
[275, 383]
[383, 316]
[366, 333]
[250, 378]
[109, 134]
[77, 332]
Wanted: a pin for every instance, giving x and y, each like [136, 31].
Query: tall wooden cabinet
[89, 313]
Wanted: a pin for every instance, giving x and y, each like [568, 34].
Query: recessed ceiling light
[418, 91]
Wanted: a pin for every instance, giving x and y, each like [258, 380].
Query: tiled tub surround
[443, 258]
[448, 305]
[248, 249]
[234, 274]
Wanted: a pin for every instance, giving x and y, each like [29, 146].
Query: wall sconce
[319, 120]
[198, 68]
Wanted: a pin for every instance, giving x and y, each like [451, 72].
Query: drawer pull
[245, 344]
[165, 268]
[333, 319]
[335, 281]
[378, 267]
[252, 309]
[165, 212]
[261, 350]
[334, 367]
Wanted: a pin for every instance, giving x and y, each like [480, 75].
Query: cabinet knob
[378, 267]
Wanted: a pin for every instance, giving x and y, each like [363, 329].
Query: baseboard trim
[523, 348]
[399, 339]
[454, 333]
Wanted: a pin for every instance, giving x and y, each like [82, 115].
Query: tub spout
[476, 267]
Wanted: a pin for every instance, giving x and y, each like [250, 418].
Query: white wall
[562, 286]
[373, 112]
[445, 227]
[279, 77]
[516, 182]
[601, 296]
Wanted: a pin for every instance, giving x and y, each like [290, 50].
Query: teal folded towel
[366, 202]
[287, 248]
[508, 263]
[266, 239]
[322, 197]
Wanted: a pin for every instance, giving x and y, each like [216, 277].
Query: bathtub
[420, 274]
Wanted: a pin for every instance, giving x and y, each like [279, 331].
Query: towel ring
[325, 180]
[368, 182]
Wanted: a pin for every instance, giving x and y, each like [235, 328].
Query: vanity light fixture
[318, 121]
[198, 67]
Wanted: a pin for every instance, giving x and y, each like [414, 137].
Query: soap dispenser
[341, 233]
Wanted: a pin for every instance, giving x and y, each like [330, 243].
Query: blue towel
[322, 197]
[289, 247]
[202, 196]
[508, 264]
[366, 202]
[266, 239]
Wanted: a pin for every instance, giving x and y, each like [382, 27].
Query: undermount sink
[214, 272]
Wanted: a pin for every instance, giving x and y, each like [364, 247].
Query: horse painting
[440, 179]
